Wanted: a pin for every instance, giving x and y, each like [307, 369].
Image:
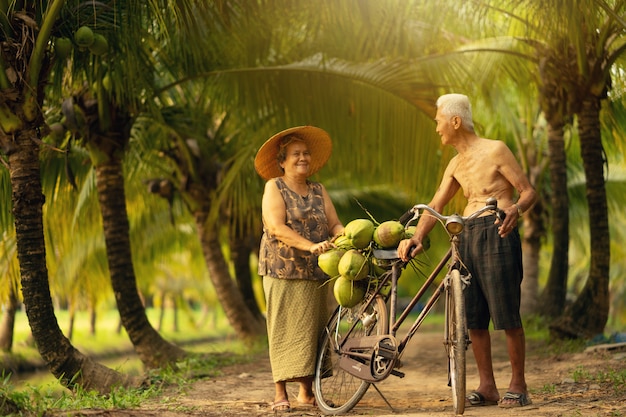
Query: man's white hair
[457, 105]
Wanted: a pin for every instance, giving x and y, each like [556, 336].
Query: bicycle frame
[368, 349]
[394, 324]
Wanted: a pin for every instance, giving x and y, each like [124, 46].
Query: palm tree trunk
[93, 315]
[245, 324]
[240, 250]
[7, 326]
[67, 364]
[589, 313]
[152, 349]
[553, 296]
[534, 231]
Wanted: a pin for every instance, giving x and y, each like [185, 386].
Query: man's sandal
[476, 399]
[515, 399]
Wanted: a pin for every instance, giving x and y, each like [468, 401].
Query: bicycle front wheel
[456, 339]
[337, 391]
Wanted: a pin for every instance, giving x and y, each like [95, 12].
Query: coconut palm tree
[24, 67]
[106, 137]
[574, 47]
[196, 155]
[99, 117]
[29, 32]
[589, 38]
[215, 177]
[365, 72]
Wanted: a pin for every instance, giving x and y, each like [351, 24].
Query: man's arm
[447, 189]
[527, 196]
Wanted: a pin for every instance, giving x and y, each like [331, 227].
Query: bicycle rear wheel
[337, 391]
[456, 340]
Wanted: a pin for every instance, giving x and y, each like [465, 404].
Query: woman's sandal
[281, 406]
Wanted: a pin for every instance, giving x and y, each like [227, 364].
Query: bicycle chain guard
[370, 358]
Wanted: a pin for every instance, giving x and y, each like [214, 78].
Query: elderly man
[490, 249]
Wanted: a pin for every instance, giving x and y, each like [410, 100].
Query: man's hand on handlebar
[510, 216]
[409, 248]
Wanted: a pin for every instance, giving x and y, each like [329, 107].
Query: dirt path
[246, 390]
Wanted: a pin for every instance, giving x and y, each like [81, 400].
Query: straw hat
[317, 140]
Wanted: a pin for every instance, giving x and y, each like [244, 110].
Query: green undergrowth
[207, 338]
[34, 400]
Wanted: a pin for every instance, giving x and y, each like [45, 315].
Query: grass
[110, 340]
[209, 340]
[614, 378]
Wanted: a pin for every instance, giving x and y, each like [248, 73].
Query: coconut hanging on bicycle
[353, 265]
[359, 233]
[349, 289]
[388, 234]
[348, 293]
[329, 261]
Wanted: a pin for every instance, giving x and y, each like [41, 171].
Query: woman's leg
[281, 396]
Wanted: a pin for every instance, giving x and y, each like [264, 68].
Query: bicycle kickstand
[384, 398]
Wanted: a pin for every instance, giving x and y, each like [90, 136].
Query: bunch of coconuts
[85, 39]
[351, 263]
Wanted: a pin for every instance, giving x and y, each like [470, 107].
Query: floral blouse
[306, 216]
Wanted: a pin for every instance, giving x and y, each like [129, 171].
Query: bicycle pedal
[397, 373]
[386, 354]
[387, 346]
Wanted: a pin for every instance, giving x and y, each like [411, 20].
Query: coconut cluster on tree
[85, 39]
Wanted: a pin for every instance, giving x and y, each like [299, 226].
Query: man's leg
[516, 345]
[481, 346]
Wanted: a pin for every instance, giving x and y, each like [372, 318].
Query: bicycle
[359, 346]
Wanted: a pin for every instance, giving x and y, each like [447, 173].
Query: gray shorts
[496, 267]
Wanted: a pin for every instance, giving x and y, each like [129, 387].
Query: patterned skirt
[297, 311]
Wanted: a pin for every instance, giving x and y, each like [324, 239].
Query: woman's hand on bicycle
[409, 248]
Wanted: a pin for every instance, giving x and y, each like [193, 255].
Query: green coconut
[62, 48]
[348, 293]
[360, 232]
[353, 265]
[329, 261]
[99, 46]
[388, 234]
[84, 36]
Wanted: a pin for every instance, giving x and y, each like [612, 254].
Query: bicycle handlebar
[413, 214]
[454, 223]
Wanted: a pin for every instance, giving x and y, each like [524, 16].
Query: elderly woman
[299, 223]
